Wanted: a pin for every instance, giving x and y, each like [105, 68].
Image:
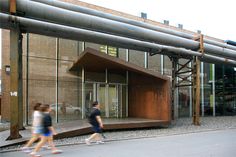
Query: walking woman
[47, 132]
[36, 127]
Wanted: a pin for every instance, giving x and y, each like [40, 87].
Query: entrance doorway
[111, 98]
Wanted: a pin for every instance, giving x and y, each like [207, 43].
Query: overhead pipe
[230, 42]
[65, 17]
[56, 30]
[93, 12]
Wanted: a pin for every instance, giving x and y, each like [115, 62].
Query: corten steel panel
[149, 97]
[93, 60]
[149, 92]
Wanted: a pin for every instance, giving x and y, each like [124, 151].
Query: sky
[215, 18]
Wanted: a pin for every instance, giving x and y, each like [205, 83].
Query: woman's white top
[37, 119]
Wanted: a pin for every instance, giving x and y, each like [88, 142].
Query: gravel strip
[181, 126]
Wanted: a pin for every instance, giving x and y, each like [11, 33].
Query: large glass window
[136, 57]
[225, 81]
[68, 49]
[112, 51]
[154, 63]
[42, 82]
[122, 54]
[167, 66]
[94, 46]
[42, 71]
[208, 96]
[69, 85]
[116, 78]
[95, 76]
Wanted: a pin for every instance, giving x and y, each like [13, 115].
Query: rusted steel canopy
[93, 60]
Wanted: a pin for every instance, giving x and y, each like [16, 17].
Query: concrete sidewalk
[81, 127]
[181, 126]
[62, 129]
[219, 143]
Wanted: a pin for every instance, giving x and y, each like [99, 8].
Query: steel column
[174, 107]
[20, 86]
[196, 91]
[15, 83]
[196, 83]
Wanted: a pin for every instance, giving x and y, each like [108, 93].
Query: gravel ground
[181, 126]
[4, 126]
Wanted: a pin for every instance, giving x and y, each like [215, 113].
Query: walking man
[96, 122]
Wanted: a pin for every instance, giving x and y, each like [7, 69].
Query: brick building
[47, 78]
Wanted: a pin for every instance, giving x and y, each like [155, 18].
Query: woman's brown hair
[37, 106]
[44, 107]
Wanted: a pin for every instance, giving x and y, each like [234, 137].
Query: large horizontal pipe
[56, 30]
[93, 12]
[70, 18]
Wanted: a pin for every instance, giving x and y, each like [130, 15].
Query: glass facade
[41, 71]
[154, 63]
[137, 57]
[68, 85]
[122, 54]
[225, 91]
[48, 80]
[206, 105]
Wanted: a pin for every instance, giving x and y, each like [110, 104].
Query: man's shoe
[57, 151]
[25, 149]
[100, 142]
[87, 142]
[47, 147]
[34, 154]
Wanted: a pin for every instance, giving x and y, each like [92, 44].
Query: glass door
[101, 98]
[113, 101]
[111, 97]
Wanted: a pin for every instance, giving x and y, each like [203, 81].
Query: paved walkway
[181, 126]
[81, 127]
[220, 143]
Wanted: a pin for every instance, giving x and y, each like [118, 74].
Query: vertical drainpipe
[57, 63]
[106, 89]
[190, 95]
[82, 86]
[162, 64]
[213, 89]
[83, 94]
[127, 85]
[202, 87]
[146, 60]
[27, 79]
[106, 93]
